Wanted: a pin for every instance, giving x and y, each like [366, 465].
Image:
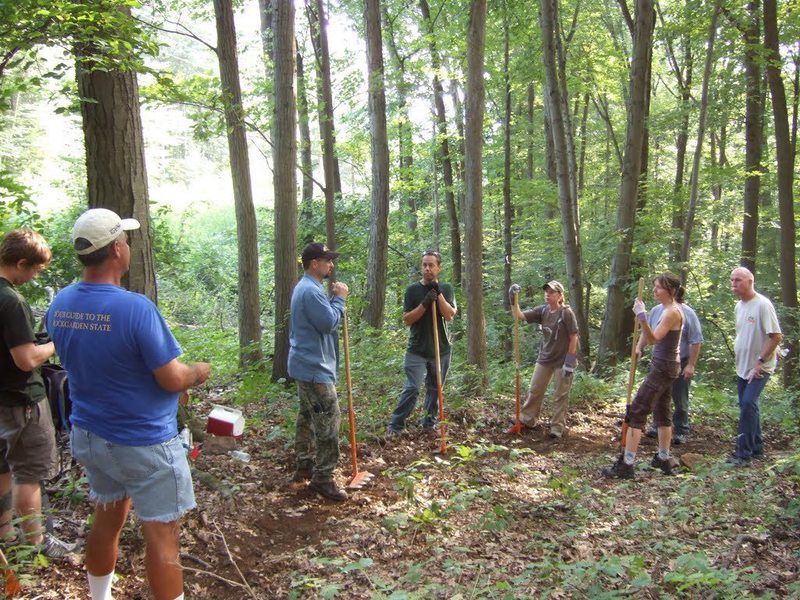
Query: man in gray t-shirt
[758, 334]
[691, 341]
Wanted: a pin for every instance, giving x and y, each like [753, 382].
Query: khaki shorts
[27, 442]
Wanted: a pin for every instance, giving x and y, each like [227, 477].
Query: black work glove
[434, 285]
[42, 337]
[513, 291]
[429, 299]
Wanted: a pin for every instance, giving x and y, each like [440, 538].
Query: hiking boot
[652, 432]
[329, 490]
[737, 461]
[667, 465]
[619, 470]
[302, 474]
[555, 435]
[391, 436]
[54, 548]
[679, 438]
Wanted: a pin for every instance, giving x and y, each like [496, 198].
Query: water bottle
[239, 455]
[186, 438]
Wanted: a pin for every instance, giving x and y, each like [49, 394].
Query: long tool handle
[351, 414]
[632, 372]
[443, 444]
[516, 358]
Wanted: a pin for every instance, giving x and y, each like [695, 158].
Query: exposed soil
[254, 525]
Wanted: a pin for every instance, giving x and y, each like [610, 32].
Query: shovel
[442, 431]
[12, 587]
[632, 372]
[360, 478]
[518, 426]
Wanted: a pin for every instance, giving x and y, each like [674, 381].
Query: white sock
[179, 597]
[100, 586]
[630, 457]
[663, 453]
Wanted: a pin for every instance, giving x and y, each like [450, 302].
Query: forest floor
[498, 516]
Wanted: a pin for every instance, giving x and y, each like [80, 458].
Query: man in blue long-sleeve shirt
[313, 364]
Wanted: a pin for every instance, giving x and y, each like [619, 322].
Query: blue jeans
[680, 403]
[748, 440]
[417, 368]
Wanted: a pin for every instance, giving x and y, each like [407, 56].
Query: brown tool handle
[350, 411]
[516, 356]
[632, 372]
[435, 318]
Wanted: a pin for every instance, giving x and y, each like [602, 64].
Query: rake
[632, 372]
[518, 426]
[442, 429]
[360, 478]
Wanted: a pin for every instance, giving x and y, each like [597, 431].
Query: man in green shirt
[420, 359]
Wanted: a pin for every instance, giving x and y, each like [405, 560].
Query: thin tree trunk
[566, 190]
[698, 150]
[333, 187]
[303, 117]
[582, 155]
[249, 321]
[444, 148]
[284, 180]
[473, 196]
[619, 276]
[783, 150]
[378, 250]
[508, 209]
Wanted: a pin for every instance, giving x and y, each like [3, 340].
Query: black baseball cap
[314, 250]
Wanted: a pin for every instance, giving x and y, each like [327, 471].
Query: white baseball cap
[99, 227]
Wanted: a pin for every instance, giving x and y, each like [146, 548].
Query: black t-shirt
[17, 387]
[420, 335]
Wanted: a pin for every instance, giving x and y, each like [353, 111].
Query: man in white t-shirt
[758, 334]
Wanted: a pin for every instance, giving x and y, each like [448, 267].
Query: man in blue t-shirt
[125, 379]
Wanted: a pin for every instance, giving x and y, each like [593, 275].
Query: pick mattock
[442, 430]
[632, 372]
[518, 426]
[360, 478]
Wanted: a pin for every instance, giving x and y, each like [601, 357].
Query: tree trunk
[619, 276]
[444, 148]
[115, 161]
[508, 209]
[563, 159]
[783, 150]
[473, 192]
[284, 179]
[754, 109]
[405, 132]
[265, 14]
[249, 322]
[698, 150]
[306, 165]
[379, 219]
[333, 188]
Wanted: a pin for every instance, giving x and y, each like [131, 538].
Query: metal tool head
[361, 479]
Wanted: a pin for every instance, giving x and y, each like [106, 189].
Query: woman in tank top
[655, 393]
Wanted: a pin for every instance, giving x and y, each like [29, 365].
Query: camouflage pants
[316, 441]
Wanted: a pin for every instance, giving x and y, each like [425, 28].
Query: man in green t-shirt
[420, 359]
[27, 437]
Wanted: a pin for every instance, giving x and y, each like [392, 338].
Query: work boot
[329, 490]
[302, 474]
[651, 432]
[619, 470]
[667, 465]
[679, 438]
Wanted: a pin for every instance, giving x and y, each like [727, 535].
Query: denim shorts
[156, 478]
